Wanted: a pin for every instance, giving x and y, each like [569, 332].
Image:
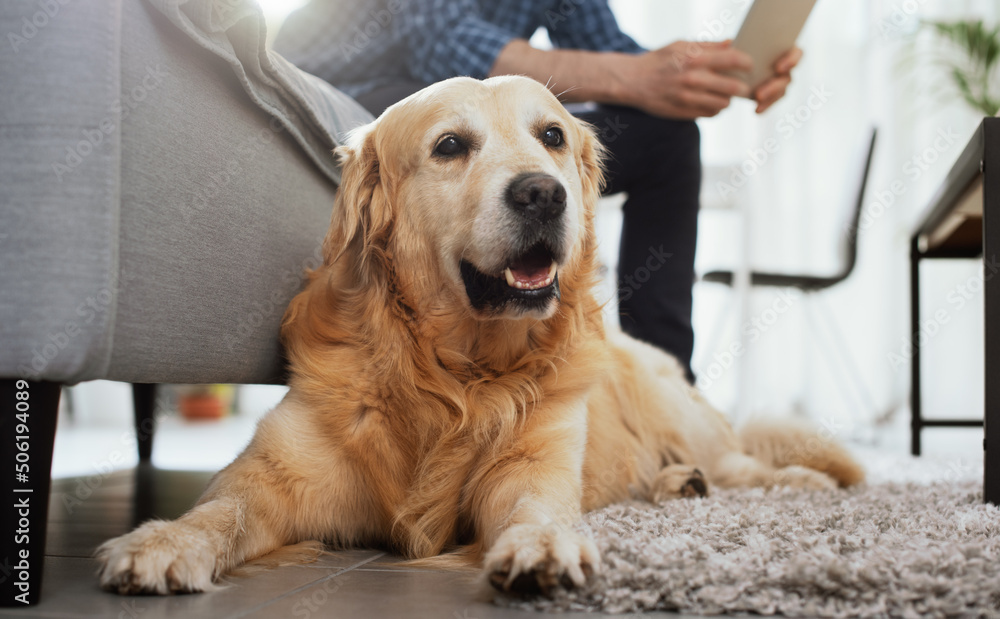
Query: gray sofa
[164, 183]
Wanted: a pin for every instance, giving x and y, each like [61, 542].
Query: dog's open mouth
[529, 281]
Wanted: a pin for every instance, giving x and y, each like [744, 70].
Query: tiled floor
[85, 511]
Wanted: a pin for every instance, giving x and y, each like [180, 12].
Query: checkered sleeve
[446, 38]
[587, 24]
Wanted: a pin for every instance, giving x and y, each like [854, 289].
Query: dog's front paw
[159, 557]
[532, 559]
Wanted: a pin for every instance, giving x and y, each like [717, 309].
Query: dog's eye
[450, 147]
[553, 137]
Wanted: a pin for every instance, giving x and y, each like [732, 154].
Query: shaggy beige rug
[915, 541]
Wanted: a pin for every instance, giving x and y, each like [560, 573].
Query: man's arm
[577, 75]
[681, 80]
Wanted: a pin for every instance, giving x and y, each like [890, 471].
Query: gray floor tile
[393, 562]
[67, 508]
[79, 539]
[115, 478]
[341, 559]
[386, 593]
[369, 592]
[70, 589]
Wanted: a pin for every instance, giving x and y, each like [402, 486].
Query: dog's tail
[785, 442]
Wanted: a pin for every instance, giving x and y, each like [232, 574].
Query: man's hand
[685, 79]
[774, 88]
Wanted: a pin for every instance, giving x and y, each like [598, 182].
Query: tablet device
[769, 30]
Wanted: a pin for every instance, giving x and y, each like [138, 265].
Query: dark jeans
[657, 162]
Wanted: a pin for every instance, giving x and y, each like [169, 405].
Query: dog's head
[472, 195]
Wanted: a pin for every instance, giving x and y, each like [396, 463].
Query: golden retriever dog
[453, 388]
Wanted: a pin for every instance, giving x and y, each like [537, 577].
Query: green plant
[974, 69]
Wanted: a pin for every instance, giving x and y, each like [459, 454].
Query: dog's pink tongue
[530, 275]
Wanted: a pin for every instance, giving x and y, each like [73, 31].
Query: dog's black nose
[537, 196]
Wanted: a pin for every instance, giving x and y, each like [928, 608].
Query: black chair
[811, 284]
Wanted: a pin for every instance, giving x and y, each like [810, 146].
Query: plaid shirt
[360, 45]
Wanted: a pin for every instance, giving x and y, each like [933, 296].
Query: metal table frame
[980, 157]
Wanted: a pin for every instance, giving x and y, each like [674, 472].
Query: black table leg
[916, 419]
[991, 299]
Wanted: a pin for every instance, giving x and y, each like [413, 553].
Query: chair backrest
[851, 236]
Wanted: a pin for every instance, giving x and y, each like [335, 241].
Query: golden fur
[418, 423]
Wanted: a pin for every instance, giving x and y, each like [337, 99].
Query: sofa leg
[144, 402]
[28, 415]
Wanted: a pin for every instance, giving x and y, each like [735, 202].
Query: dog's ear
[591, 165]
[362, 217]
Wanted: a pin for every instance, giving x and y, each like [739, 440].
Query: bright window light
[280, 8]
